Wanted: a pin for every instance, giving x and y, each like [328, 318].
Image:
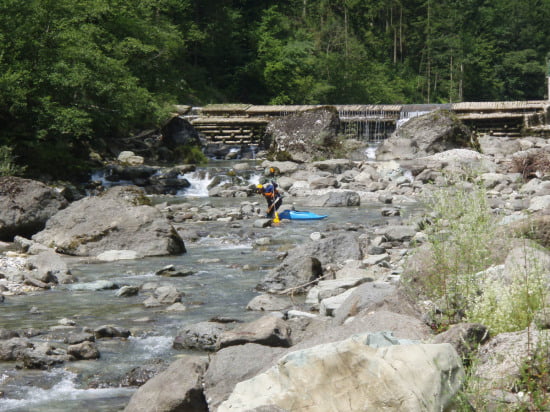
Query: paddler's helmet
[259, 188]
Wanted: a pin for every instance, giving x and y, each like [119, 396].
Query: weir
[244, 124]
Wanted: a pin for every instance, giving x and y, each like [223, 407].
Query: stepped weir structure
[244, 124]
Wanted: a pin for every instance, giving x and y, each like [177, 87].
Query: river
[227, 268]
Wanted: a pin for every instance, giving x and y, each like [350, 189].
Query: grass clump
[511, 306]
[460, 231]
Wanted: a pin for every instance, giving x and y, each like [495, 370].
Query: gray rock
[83, 351]
[465, 337]
[337, 166]
[342, 198]
[178, 388]
[262, 223]
[269, 303]
[142, 373]
[268, 330]
[373, 260]
[167, 295]
[328, 306]
[285, 167]
[306, 135]
[44, 356]
[303, 264]
[365, 297]
[118, 219]
[332, 287]
[75, 338]
[222, 375]
[49, 267]
[14, 348]
[172, 271]
[126, 291]
[323, 183]
[434, 132]
[31, 281]
[306, 379]
[397, 233]
[151, 302]
[295, 272]
[201, 336]
[179, 132]
[539, 204]
[110, 331]
[26, 206]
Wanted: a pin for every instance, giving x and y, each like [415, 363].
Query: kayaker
[272, 196]
[270, 173]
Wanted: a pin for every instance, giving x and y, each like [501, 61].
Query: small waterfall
[199, 180]
[370, 152]
[203, 180]
[370, 123]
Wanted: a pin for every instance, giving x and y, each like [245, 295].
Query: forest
[76, 75]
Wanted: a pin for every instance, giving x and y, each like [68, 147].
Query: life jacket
[270, 190]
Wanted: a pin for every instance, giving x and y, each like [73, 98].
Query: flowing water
[227, 269]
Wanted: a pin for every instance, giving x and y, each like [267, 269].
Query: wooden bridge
[244, 124]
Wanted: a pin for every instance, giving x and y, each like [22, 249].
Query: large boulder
[352, 376]
[235, 364]
[118, 219]
[341, 198]
[268, 330]
[426, 135]
[303, 264]
[26, 206]
[292, 275]
[305, 136]
[179, 132]
[179, 388]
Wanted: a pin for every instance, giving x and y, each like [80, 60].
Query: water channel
[228, 265]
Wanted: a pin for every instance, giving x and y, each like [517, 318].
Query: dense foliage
[79, 73]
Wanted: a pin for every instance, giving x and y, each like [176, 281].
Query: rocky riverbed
[328, 324]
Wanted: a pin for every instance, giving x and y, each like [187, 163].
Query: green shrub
[190, 154]
[461, 239]
[8, 167]
[508, 307]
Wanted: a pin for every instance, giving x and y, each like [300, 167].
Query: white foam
[152, 346]
[199, 185]
[65, 389]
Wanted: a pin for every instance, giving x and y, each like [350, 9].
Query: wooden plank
[496, 115]
[230, 120]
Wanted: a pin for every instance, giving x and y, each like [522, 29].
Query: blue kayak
[299, 215]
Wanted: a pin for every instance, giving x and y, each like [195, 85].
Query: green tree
[72, 73]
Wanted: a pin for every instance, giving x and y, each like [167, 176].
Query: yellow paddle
[276, 219]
